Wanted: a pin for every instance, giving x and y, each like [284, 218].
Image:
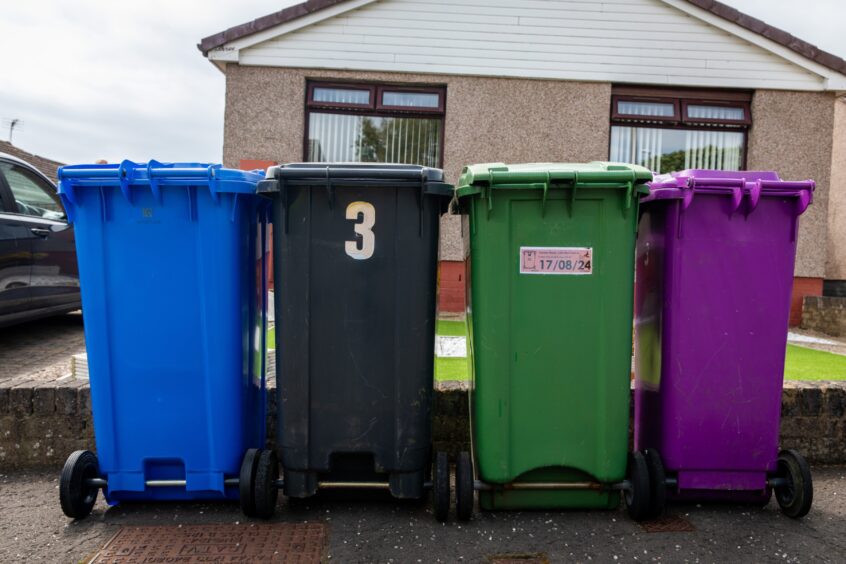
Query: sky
[109, 79]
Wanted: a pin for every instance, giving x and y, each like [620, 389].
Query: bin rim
[154, 174]
[751, 184]
[595, 174]
[321, 175]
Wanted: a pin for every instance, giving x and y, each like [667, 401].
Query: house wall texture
[522, 120]
[836, 267]
[792, 134]
[487, 119]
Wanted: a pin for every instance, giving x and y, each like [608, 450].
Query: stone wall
[40, 425]
[824, 315]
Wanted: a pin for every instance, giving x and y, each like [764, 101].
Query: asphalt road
[33, 529]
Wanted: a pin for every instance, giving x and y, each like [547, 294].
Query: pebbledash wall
[528, 120]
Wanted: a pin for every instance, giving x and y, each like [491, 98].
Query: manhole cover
[278, 542]
[536, 558]
[668, 524]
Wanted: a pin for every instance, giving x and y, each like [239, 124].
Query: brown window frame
[375, 108]
[683, 98]
[616, 115]
[745, 106]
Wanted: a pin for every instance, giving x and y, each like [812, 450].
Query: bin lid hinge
[487, 192]
[213, 182]
[283, 197]
[545, 190]
[330, 190]
[754, 196]
[424, 180]
[154, 182]
[124, 172]
[573, 192]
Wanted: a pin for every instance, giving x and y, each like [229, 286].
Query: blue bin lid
[155, 174]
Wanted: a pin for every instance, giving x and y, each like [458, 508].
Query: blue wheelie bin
[173, 270]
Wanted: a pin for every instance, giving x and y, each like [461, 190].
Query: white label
[366, 213]
[556, 260]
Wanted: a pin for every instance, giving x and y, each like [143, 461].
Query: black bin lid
[322, 175]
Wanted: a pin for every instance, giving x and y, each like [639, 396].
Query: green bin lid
[534, 175]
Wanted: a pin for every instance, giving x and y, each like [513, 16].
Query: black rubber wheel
[638, 495]
[246, 481]
[657, 483]
[796, 497]
[265, 492]
[464, 486]
[440, 487]
[77, 498]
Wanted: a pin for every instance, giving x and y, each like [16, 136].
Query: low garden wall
[824, 314]
[41, 423]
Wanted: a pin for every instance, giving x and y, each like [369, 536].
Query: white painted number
[364, 228]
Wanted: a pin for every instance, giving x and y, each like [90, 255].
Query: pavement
[33, 529]
[40, 350]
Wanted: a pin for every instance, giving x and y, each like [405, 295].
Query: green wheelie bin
[550, 296]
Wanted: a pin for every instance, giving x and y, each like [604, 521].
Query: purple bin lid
[751, 184]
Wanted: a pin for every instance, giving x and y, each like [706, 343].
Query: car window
[32, 195]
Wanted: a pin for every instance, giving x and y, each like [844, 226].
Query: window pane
[715, 112]
[667, 150]
[32, 194]
[341, 95]
[373, 139]
[646, 109]
[410, 99]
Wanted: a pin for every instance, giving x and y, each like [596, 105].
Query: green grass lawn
[809, 364]
[451, 328]
[801, 363]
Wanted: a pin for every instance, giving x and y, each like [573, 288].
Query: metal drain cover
[278, 542]
[668, 524]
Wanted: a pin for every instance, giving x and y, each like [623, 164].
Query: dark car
[38, 271]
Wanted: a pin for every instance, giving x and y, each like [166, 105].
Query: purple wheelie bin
[715, 257]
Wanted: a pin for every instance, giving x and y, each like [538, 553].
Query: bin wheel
[638, 495]
[265, 492]
[657, 483]
[77, 498]
[464, 486]
[246, 481]
[796, 497]
[440, 487]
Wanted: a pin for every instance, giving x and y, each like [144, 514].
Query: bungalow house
[668, 84]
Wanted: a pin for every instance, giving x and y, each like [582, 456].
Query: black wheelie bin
[355, 264]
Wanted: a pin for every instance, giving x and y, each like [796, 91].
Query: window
[32, 194]
[374, 123]
[676, 130]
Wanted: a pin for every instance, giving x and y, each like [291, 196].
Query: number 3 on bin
[364, 228]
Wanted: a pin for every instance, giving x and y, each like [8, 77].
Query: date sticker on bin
[556, 260]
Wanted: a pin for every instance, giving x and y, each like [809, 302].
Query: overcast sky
[112, 79]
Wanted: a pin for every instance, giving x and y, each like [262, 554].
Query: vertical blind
[666, 150]
[359, 138]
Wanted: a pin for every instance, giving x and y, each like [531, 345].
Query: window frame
[745, 106]
[11, 207]
[683, 98]
[631, 118]
[375, 108]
